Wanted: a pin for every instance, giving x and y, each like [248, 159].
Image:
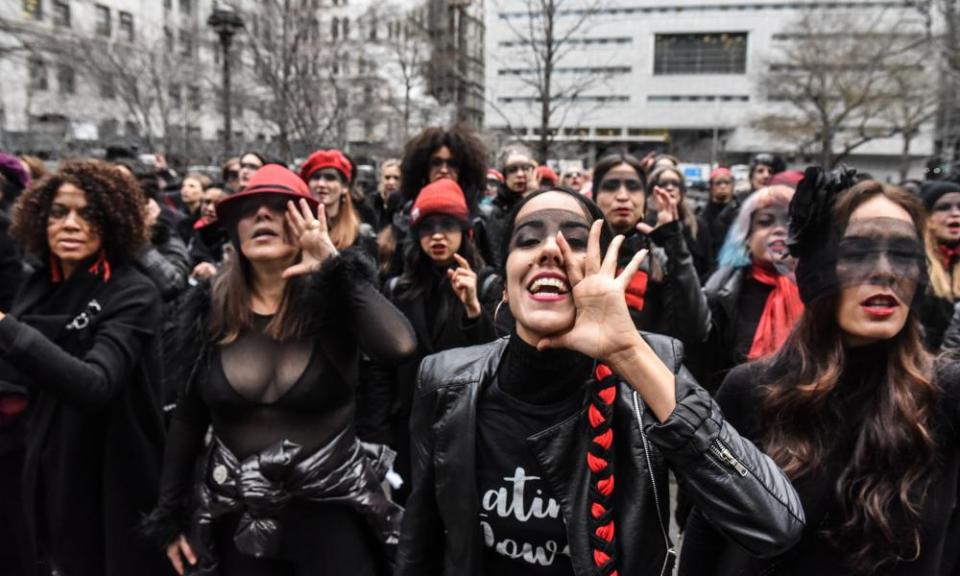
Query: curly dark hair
[117, 203]
[468, 151]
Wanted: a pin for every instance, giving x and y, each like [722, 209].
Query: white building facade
[682, 77]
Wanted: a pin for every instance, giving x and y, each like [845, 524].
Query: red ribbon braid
[600, 462]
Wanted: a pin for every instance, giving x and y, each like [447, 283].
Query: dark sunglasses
[614, 184]
[670, 184]
[274, 202]
[514, 168]
[946, 206]
[231, 174]
[326, 176]
[434, 224]
[449, 163]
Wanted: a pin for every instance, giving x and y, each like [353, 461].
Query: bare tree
[842, 80]
[301, 73]
[547, 31]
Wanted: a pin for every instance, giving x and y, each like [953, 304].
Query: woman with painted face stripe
[82, 341]
[942, 201]
[447, 294]
[753, 296]
[269, 359]
[546, 453]
[852, 406]
[664, 296]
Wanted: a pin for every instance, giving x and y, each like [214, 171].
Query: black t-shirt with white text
[522, 526]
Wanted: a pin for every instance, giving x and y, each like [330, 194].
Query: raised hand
[602, 326]
[464, 282]
[313, 237]
[667, 210]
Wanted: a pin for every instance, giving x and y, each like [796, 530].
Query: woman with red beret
[269, 356]
[329, 175]
[444, 292]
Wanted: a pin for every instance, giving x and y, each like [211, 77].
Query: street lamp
[226, 23]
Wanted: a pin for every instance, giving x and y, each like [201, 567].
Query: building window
[346, 28]
[66, 80]
[38, 74]
[335, 28]
[103, 20]
[168, 4]
[193, 95]
[373, 29]
[176, 101]
[126, 26]
[168, 39]
[33, 9]
[714, 53]
[186, 6]
[186, 44]
[61, 13]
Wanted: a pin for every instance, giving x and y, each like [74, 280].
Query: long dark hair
[882, 489]
[418, 268]
[230, 312]
[468, 152]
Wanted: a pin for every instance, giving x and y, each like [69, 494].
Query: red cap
[547, 174]
[789, 178]
[720, 172]
[326, 159]
[442, 197]
[271, 179]
[491, 173]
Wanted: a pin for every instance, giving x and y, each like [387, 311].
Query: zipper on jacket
[727, 457]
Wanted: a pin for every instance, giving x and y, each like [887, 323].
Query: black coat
[86, 350]
[11, 264]
[391, 390]
[441, 530]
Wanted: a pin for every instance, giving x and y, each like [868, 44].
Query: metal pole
[227, 112]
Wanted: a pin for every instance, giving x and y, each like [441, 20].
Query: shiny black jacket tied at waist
[344, 471]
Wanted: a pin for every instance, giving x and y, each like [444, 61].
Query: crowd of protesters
[480, 365]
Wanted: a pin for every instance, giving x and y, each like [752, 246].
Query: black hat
[932, 191]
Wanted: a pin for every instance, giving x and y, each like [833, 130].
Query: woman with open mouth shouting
[942, 201]
[269, 357]
[852, 406]
[753, 296]
[546, 453]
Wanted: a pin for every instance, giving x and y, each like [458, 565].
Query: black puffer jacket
[749, 499]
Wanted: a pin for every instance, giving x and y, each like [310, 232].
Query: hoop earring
[496, 313]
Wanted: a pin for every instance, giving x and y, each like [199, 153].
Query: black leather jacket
[743, 492]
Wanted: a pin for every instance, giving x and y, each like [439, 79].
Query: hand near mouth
[602, 326]
[667, 210]
[312, 236]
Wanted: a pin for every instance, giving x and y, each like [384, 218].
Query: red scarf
[948, 254]
[100, 267]
[780, 313]
[636, 290]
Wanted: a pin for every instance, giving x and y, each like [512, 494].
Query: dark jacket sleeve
[737, 488]
[345, 289]
[11, 265]
[422, 536]
[167, 266]
[685, 311]
[951, 338]
[123, 329]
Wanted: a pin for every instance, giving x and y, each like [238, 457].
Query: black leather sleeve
[685, 310]
[737, 488]
[422, 536]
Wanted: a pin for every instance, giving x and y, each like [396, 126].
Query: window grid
[711, 53]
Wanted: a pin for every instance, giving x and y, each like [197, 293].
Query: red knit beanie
[547, 176]
[441, 197]
[717, 172]
[326, 159]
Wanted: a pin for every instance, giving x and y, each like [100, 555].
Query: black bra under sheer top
[261, 391]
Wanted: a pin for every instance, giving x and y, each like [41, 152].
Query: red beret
[789, 178]
[441, 197]
[271, 179]
[720, 172]
[326, 159]
[495, 174]
[546, 173]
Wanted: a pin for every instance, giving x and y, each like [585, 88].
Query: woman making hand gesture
[441, 294]
[270, 358]
[538, 438]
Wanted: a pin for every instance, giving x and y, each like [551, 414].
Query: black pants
[315, 539]
[13, 528]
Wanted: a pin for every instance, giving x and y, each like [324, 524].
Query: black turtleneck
[518, 510]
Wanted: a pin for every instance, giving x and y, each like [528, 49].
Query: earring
[496, 313]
